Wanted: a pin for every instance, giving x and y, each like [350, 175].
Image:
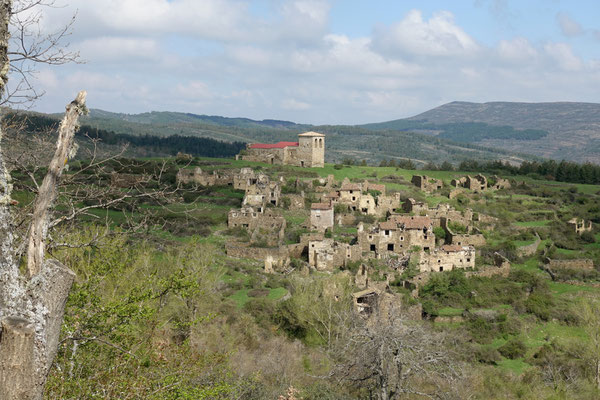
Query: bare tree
[394, 357]
[32, 304]
[30, 46]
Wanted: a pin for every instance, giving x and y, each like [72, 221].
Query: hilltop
[553, 130]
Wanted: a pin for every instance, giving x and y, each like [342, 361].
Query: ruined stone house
[308, 151]
[397, 235]
[360, 197]
[501, 183]
[579, 225]
[328, 254]
[262, 193]
[442, 210]
[268, 225]
[247, 177]
[477, 184]
[426, 183]
[378, 306]
[204, 178]
[321, 216]
[447, 258]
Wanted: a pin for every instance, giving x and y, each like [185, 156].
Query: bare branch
[47, 194]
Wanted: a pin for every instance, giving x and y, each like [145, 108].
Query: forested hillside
[554, 130]
[343, 141]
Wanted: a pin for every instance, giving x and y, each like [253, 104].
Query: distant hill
[553, 130]
[167, 117]
[342, 141]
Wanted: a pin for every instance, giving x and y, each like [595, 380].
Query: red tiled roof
[350, 186]
[413, 222]
[451, 248]
[279, 145]
[388, 225]
[374, 186]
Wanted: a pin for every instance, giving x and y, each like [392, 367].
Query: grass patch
[277, 293]
[240, 297]
[532, 224]
[517, 366]
[450, 311]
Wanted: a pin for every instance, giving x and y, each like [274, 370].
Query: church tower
[311, 151]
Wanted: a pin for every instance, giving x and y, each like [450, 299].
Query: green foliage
[457, 227]
[439, 232]
[514, 348]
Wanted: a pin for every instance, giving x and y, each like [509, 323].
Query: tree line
[563, 171]
[196, 146]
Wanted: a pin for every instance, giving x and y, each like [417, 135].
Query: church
[308, 151]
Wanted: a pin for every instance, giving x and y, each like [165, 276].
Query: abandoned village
[404, 233]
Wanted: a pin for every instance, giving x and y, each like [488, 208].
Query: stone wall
[327, 254]
[447, 258]
[582, 263]
[119, 180]
[531, 249]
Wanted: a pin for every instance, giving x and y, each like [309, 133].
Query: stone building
[397, 235]
[501, 183]
[247, 177]
[442, 210]
[580, 225]
[269, 225]
[328, 254]
[378, 306]
[205, 178]
[447, 258]
[308, 151]
[321, 216]
[367, 198]
[426, 183]
[477, 184]
[262, 193]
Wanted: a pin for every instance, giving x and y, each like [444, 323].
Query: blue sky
[323, 61]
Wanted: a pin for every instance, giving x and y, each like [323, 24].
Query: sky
[322, 61]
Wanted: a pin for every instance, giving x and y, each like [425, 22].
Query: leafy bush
[588, 237]
[540, 304]
[514, 348]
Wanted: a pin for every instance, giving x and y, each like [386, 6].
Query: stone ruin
[321, 216]
[580, 226]
[426, 183]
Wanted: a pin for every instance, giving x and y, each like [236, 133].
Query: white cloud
[105, 49]
[216, 57]
[517, 50]
[438, 36]
[293, 104]
[564, 57]
[568, 26]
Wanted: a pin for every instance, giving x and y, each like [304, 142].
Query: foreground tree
[31, 303]
[393, 357]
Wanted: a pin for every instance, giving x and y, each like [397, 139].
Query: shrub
[514, 348]
[487, 355]
[540, 304]
[439, 232]
[588, 237]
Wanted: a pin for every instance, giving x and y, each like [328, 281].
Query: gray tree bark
[32, 306]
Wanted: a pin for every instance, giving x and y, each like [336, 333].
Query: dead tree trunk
[32, 306]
